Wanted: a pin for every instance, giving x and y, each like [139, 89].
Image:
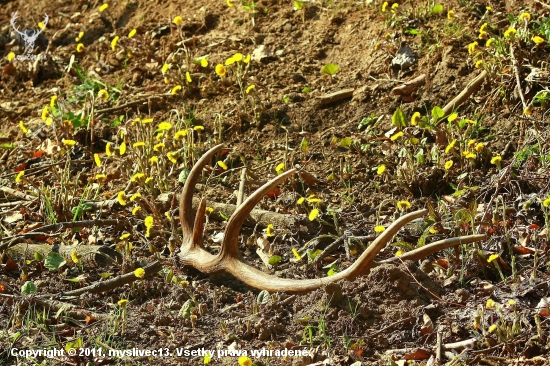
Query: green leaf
[38, 257]
[77, 343]
[263, 297]
[185, 310]
[274, 259]
[333, 270]
[286, 98]
[412, 32]
[28, 288]
[437, 9]
[345, 142]
[437, 113]
[298, 5]
[330, 69]
[224, 216]
[398, 118]
[105, 275]
[306, 90]
[54, 261]
[183, 175]
[304, 146]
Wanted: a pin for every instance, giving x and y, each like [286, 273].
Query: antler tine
[260, 280]
[198, 229]
[230, 246]
[186, 200]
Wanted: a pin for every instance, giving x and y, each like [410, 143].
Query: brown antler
[229, 259]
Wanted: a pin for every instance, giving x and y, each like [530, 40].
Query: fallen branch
[336, 96]
[472, 87]
[73, 224]
[518, 80]
[16, 193]
[70, 310]
[111, 284]
[410, 86]
[90, 255]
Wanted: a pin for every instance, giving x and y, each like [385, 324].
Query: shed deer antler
[229, 259]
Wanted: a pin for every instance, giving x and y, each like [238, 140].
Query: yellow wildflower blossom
[537, 39]
[138, 144]
[165, 126]
[379, 229]
[68, 142]
[148, 225]
[415, 118]
[170, 155]
[450, 146]
[384, 6]
[11, 56]
[114, 42]
[103, 94]
[159, 146]
[121, 198]
[176, 89]
[510, 32]
[222, 165]
[381, 169]
[137, 176]
[122, 148]
[19, 176]
[23, 128]
[180, 134]
[101, 177]
[450, 14]
[177, 20]
[220, 70]
[97, 160]
[403, 205]
[396, 136]
[103, 7]
[154, 160]
[132, 33]
[524, 16]
[135, 210]
[249, 89]
[448, 164]
[139, 273]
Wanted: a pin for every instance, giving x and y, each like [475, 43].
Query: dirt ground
[376, 139]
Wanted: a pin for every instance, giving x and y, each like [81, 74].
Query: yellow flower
[122, 148]
[489, 42]
[396, 136]
[138, 144]
[177, 20]
[154, 160]
[483, 28]
[170, 155]
[313, 199]
[280, 168]
[97, 160]
[146, 120]
[166, 80]
[249, 89]
[492, 257]
[524, 16]
[511, 302]
[269, 231]
[479, 146]
[381, 169]
[204, 62]
[220, 70]
[103, 94]
[135, 210]
[108, 151]
[139, 273]
[68, 142]
[414, 141]
[300, 200]
[313, 214]
[11, 56]
[198, 128]
[479, 63]
[165, 126]
[490, 303]
[450, 146]
[136, 177]
[415, 118]
[399, 253]
[176, 89]
[132, 33]
[74, 257]
[19, 176]
[384, 6]
[180, 134]
[488, 9]
[188, 77]
[546, 202]
[537, 39]
[159, 146]
[247, 59]
[159, 136]
[229, 61]
[448, 164]
[103, 7]
[482, 35]
[23, 128]
[379, 229]
[492, 328]
[510, 32]
[165, 68]
[100, 177]
[114, 42]
[120, 198]
[238, 57]
[496, 160]
[148, 180]
[49, 121]
[376, 46]
[472, 47]
[450, 14]
[394, 7]
[122, 302]
[148, 224]
[52, 101]
[79, 37]
[452, 117]
[222, 165]
[168, 216]
[403, 205]
[469, 155]
[245, 361]
[296, 254]
[79, 48]
[44, 113]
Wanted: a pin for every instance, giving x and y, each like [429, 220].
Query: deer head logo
[29, 36]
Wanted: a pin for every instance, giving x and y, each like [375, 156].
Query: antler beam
[229, 259]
